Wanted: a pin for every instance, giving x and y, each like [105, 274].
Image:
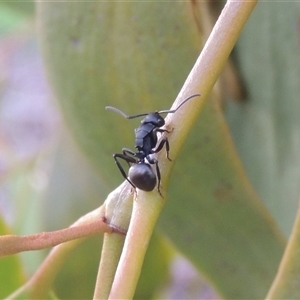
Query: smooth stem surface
[111, 251]
[118, 210]
[287, 281]
[203, 76]
[12, 244]
[206, 71]
[146, 209]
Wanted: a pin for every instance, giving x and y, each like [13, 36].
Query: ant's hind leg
[153, 161]
[158, 178]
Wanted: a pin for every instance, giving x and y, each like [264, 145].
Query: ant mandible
[140, 174]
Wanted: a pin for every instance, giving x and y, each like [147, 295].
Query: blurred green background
[119, 54]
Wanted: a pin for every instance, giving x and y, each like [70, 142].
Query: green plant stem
[206, 71]
[111, 251]
[203, 76]
[286, 284]
[118, 209]
[146, 209]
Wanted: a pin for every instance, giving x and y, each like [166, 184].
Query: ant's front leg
[129, 160]
[164, 130]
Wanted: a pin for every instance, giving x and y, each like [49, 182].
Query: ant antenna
[174, 110]
[118, 111]
[145, 114]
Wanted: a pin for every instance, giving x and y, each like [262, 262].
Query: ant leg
[153, 161]
[158, 178]
[128, 159]
[161, 145]
[164, 130]
[127, 152]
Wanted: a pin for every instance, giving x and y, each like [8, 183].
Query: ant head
[154, 118]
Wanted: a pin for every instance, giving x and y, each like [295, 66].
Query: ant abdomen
[142, 176]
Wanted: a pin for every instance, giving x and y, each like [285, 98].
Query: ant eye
[160, 122]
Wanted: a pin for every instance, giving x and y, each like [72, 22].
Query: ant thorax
[150, 159]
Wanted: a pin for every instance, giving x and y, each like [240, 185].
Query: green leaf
[266, 127]
[22, 294]
[13, 14]
[77, 278]
[136, 56]
[215, 218]
[100, 54]
[155, 269]
[74, 188]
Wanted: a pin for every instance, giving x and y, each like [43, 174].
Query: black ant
[140, 174]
